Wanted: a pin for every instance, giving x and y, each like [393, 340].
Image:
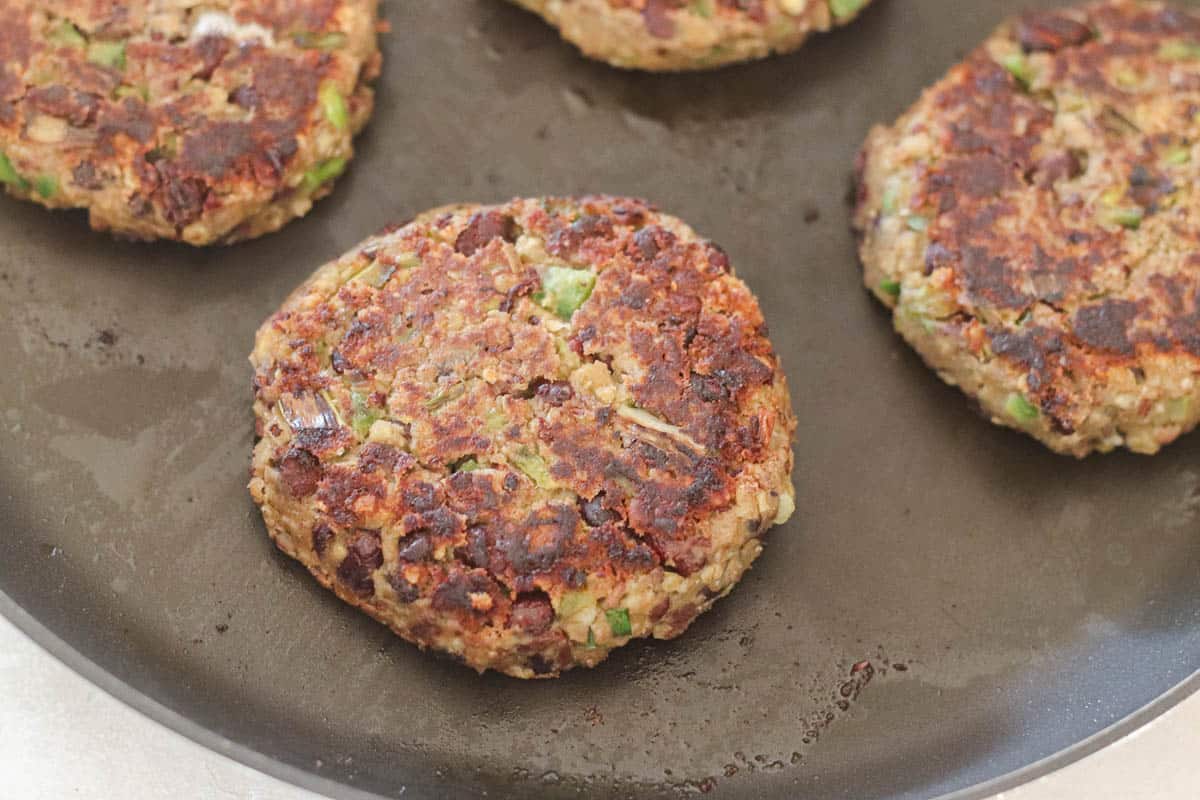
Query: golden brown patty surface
[673, 35]
[206, 123]
[524, 434]
[1034, 222]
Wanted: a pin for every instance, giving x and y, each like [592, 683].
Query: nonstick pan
[952, 604]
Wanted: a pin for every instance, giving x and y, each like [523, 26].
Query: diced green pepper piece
[334, 106]
[364, 414]
[573, 602]
[1018, 66]
[322, 173]
[917, 223]
[67, 35]
[9, 174]
[107, 54]
[891, 196]
[565, 289]
[468, 464]
[890, 287]
[408, 261]
[311, 40]
[375, 274]
[844, 8]
[1130, 217]
[534, 466]
[140, 92]
[618, 621]
[495, 420]
[46, 186]
[1128, 78]
[1179, 51]
[702, 8]
[1179, 409]
[1178, 155]
[1020, 408]
[167, 149]
[443, 397]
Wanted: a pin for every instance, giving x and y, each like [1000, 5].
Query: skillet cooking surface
[1011, 603]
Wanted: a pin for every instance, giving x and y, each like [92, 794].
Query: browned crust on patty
[190, 122]
[522, 484]
[1034, 219]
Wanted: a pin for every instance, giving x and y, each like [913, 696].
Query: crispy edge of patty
[664, 603]
[680, 40]
[1142, 411]
[733, 554]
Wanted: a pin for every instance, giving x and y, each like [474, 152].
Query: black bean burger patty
[524, 434]
[205, 123]
[675, 35]
[1035, 225]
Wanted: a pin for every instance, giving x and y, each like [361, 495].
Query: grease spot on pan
[121, 402]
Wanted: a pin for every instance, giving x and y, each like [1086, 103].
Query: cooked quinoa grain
[671, 35]
[1034, 223]
[204, 123]
[524, 434]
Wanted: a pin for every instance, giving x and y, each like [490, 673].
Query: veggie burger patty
[206, 123]
[524, 434]
[1035, 225]
[673, 35]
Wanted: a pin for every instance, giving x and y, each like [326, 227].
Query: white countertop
[61, 737]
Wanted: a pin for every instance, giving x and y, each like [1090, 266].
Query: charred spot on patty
[1048, 31]
[483, 228]
[364, 555]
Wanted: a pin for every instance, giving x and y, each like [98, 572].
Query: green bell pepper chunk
[565, 289]
[311, 40]
[364, 415]
[1018, 66]
[1130, 218]
[334, 106]
[107, 54]
[1020, 408]
[46, 186]
[322, 173]
[534, 466]
[9, 174]
[1179, 51]
[140, 92]
[572, 603]
[1178, 155]
[67, 35]
[618, 621]
[844, 8]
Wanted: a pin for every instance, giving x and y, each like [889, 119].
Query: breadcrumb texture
[677, 35]
[1033, 221]
[524, 434]
[203, 123]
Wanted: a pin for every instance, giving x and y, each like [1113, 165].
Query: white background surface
[61, 737]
